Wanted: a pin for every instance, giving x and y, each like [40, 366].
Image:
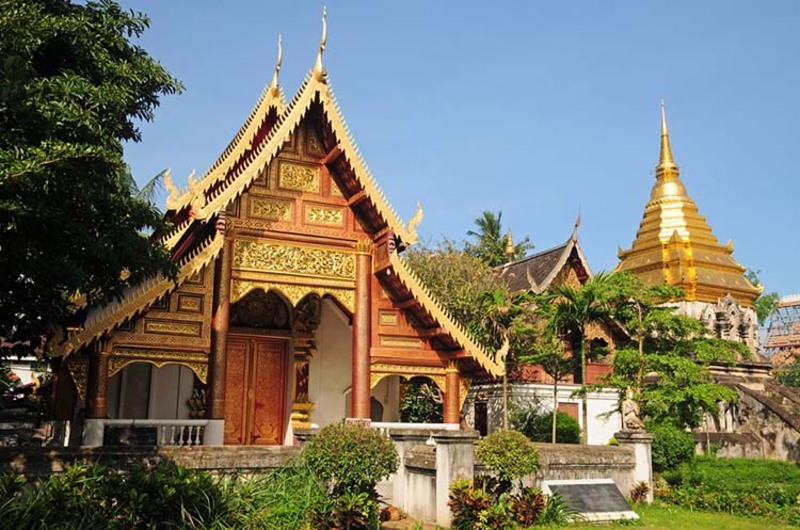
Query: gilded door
[255, 390]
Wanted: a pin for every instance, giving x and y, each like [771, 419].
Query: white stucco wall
[330, 376]
[601, 428]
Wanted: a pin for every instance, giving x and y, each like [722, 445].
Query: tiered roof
[197, 212]
[675, 245]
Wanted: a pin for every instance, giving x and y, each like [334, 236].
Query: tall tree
[666, 366]
[72, 88]
[490, 241]
[573, 310]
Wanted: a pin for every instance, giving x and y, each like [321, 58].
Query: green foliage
[72, 88]
[351, 510]
[767, 303]
[490, 242]
[509, 454]
[282, 499]
[674, 352]
[639, 492]
[420, 405]
[466, 504]
[557, 511]
[789, 374]
[474, 295]
[458, 281]
[160, 496]
[351, 458]
[672, 446]
[735, 485]
[474, 509]
[538, 427]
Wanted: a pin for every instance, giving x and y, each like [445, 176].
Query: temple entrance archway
[257, 370]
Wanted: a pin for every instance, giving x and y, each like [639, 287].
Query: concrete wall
[330, 374]
[42, 462]
[604, 418]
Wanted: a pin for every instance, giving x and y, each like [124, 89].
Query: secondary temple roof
[537, 271]
[675, 245]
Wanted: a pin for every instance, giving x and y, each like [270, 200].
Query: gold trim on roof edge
[287, 123]
[452, 327]
[135, 298]
[271, 96]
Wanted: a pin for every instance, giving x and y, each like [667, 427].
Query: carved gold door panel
[255, 388]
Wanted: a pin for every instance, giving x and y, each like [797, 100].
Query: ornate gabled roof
[137, 298]
[537, 271]
[314, 90]
[269, 106]
[675, 245]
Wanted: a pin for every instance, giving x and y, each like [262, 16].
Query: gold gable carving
[324, 216]
[293, 259]
[298, 177]
[271, 209]
[293, 292]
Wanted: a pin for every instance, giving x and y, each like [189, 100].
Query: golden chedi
[675, 246]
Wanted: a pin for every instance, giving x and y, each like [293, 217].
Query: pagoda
[675, 246]
[291, 306]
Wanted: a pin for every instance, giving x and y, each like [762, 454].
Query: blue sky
[537, 109]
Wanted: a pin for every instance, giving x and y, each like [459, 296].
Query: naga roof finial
[273, 87]
[319, 71]
[665, 160]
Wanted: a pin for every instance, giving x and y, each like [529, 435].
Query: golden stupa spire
[319, 71]
[665, 160]
[273, 87]
[510, 251]
[675, 244]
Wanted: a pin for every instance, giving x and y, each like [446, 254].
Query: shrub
[557, 512]
[351, 458]
[509, 454]
[671, 447]
[528, 506]
[466, 504]
[539, 427]
[639, 492]
[351, 510]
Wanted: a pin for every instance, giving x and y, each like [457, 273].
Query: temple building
[292, 306]
[529, 385]
[675, 246]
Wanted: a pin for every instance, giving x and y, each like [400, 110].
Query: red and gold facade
[287, 219]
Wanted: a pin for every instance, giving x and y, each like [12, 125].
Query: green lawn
[658, 517]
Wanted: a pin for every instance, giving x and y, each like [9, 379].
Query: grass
[661, 517]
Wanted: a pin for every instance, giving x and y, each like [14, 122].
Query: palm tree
[574, 309]
[490, 244]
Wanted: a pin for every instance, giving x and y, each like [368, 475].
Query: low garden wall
[42, 462]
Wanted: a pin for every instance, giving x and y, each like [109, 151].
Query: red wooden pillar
[360, 396]
[219, 335]
[452, 398]
[98, 382]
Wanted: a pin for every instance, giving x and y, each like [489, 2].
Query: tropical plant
[74, 86]
[510, 455]
[351, 458]
[422, 403]
[671, 447]
[490, 242]
[767, 303]
[537, 427]
[571, 310]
